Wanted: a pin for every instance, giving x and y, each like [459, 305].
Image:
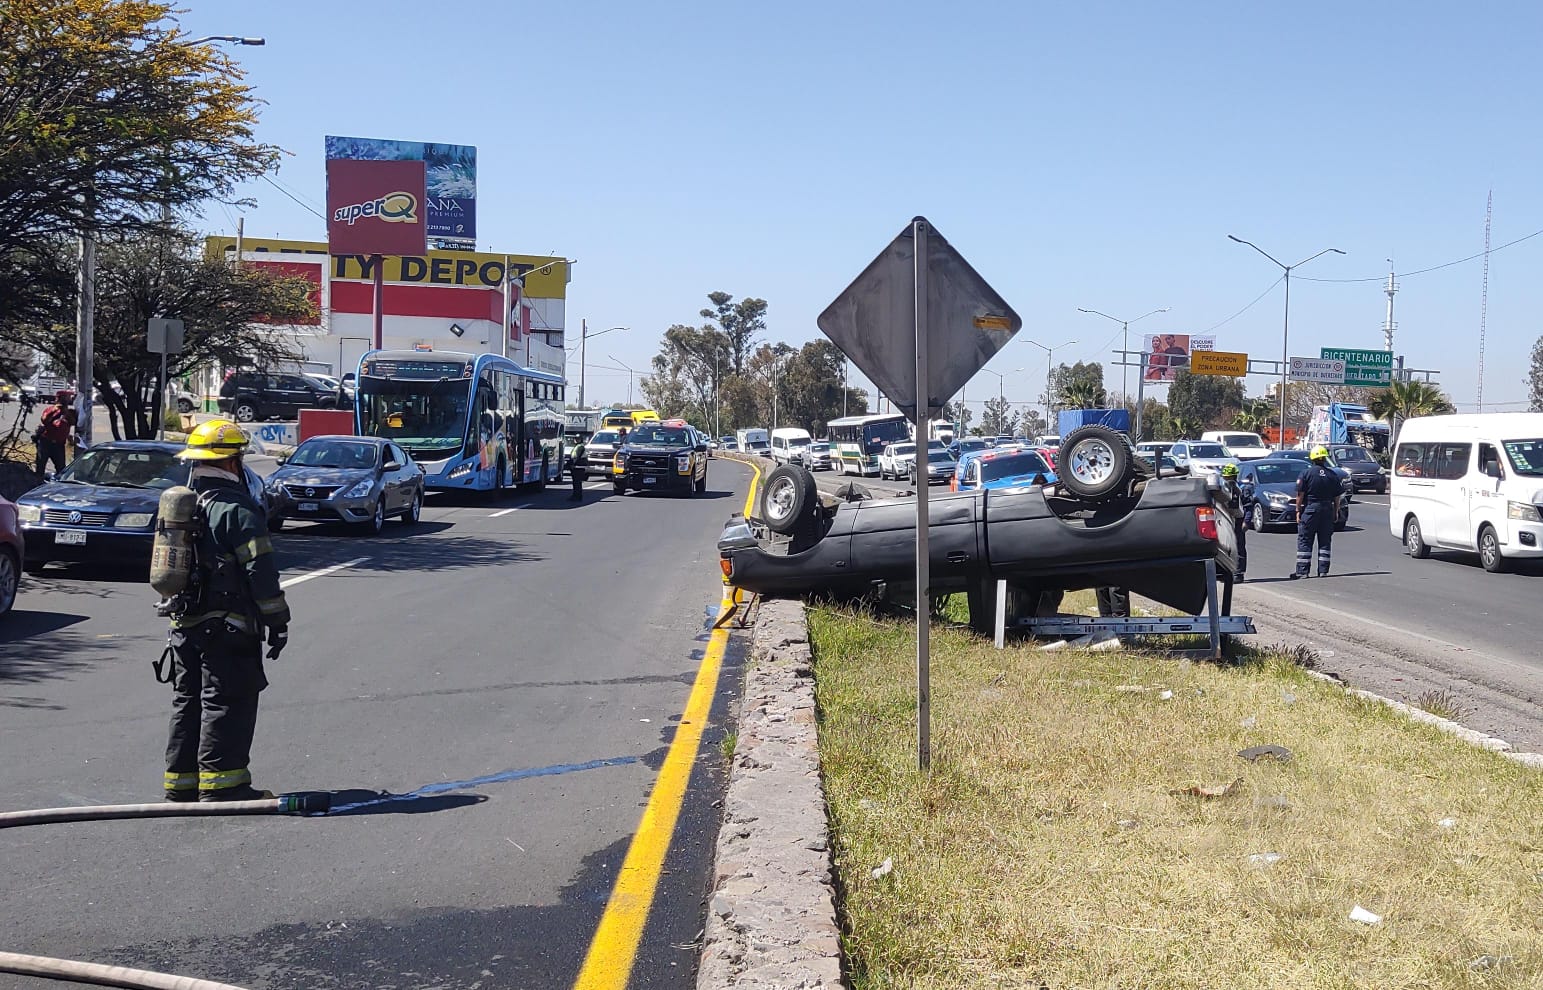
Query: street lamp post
[1001, 401]
[584, 336]
[630, 372]
[85, 309]
[1285, 334]
[1125, 338]
[1049, 356]
[513, 279]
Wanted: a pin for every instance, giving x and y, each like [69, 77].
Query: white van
[790, 445]
[754, 442]
[1471, 482]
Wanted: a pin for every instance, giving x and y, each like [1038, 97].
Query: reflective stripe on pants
[1317, 522]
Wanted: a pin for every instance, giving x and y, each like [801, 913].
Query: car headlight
[361, 489]
[1277, 498]
[134, 520]
[29, 513]
[1524, 511]
[683, 463]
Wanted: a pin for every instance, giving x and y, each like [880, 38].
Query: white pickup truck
[1244, 446]
[896, 459]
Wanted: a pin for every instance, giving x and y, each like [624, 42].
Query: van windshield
[1526, 456]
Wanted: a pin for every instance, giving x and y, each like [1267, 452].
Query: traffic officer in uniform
[578, 466]
[217, 638]
[1318, 493]
[1242, 494]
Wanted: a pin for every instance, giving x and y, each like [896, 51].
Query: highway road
[1400, 627]
[494, 691]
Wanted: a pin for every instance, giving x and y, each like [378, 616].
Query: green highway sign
[1362, 367]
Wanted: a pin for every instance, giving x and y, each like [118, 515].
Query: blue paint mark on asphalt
[445, 787]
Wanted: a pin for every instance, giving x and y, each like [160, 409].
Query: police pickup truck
[661, 456]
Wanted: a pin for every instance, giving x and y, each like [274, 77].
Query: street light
[1049, 355]
[584, 336]
[512, 279]
[1285, 334]
[630, 372]
[1001, 402]
[1125, 345]
[85, 302]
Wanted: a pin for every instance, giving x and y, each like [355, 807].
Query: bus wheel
[498, 477]
[546, 465]
[840, 467]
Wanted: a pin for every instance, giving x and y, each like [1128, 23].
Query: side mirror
[1492, 468]
[701, 448]
[392, 466]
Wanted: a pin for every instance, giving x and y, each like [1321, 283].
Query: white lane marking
[300, 578]
[505, 512]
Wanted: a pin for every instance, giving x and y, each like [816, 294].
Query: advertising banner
[450, 180]
[1168, 353]
[375, 207]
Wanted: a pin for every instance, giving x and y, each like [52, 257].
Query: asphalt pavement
[492, 692]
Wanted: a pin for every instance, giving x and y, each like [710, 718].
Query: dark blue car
[102, 507]
[1275, 491]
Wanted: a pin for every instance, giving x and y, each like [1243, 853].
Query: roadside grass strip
[1088, 822]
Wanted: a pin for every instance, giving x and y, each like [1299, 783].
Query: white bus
[857, 441]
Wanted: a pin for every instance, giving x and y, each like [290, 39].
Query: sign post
[920, 322]
[163, 337]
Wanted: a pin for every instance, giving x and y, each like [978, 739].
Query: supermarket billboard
[450, 182]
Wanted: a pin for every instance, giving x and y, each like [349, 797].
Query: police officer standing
[578, 466]
[217, 637]
[1318, 493]
[1242, 495]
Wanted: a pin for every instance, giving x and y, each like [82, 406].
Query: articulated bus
[857, 441]
[475, 422]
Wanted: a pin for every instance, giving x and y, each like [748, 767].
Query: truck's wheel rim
[1092, 463]
[779, 499]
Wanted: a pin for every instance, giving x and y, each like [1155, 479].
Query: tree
[688, 370]
[1032, 422]
[1256, 416]
[1077, 386]
[107, 121]
[1203, 402]
[809, 387]
[1407, 399]
[741, 322]
[959, 414]
[998, 418]
[1535, 378]
[137, 279]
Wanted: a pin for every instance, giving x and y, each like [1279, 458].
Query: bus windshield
[423, 416]
[877, 435]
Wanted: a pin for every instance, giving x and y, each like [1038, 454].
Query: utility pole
[85, 322]
[1388, 326]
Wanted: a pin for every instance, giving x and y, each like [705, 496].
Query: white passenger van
[1472, 483]
[754, 441]
[790, 445]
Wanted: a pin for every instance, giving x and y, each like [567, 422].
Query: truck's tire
[788, 498]
[1095, 462]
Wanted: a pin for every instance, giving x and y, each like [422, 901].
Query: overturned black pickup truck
[1110, 520]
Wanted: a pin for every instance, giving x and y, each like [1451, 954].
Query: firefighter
[217, 637]
[1242, 494]
[1318, 493]
[578, 469]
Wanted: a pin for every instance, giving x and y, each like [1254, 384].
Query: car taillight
[727, 567]
[1205, 522]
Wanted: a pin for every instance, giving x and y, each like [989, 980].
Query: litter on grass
[883, 868]
[1447, 822]
[1254, 754]
[1288, 697]
[1264, 859]
[1249, 723]
[1365, 917]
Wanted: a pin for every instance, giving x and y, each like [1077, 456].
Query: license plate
[646, 481]
[70, 537]
[307, 506]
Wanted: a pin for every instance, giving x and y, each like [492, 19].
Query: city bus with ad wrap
[474, 422]
[857, 441]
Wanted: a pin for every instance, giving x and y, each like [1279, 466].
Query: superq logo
[396, 207]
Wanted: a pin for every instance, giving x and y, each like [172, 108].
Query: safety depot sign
[1327, 371]
[375, 208]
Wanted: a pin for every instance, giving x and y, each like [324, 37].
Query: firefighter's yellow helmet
[215, 441]
[1320, 453]
[1229, 470]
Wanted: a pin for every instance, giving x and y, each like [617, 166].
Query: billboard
[1168, 353]
[375, 207]
[450, 179]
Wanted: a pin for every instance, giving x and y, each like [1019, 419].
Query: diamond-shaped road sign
[874, 321]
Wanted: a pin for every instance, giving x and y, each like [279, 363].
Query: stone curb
[1471, 736]
[771, 918]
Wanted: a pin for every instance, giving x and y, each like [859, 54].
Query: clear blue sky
[1079, 154]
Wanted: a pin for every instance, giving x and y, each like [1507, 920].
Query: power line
[307, 206]
[1217, 326]
[1433, 268]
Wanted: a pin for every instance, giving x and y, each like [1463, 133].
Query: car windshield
[660, 436]
[902, 448]
[1208, 450]
[1526, 456]
[117, 468]
[603, 436]
[420, 415]
[1353, 454]
[1295, 455]
[334, 454]
[974, 443]
[1277, 474]
[936, 456]
[820, 447]
[1025, 464]
[1242, 440]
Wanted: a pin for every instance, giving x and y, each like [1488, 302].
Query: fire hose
[75, 971]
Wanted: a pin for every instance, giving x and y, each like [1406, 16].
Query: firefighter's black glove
[278, 638]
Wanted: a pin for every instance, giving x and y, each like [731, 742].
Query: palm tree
[1256, 416]
[1083, 394]
[1403, 400]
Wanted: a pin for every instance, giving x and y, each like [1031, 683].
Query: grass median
[1088, 822]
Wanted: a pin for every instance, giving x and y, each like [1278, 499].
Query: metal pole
[161, 432]
[240, 238]
[503, 331]
[583, 350]
[923, 578]
[1125, 369]
[1285, 361]
[85, 331]
[379, 304]
[717, 425]
[1141, 391]
[1049, 356]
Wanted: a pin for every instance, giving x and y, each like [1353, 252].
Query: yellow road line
[608, 964]
[750, 497]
